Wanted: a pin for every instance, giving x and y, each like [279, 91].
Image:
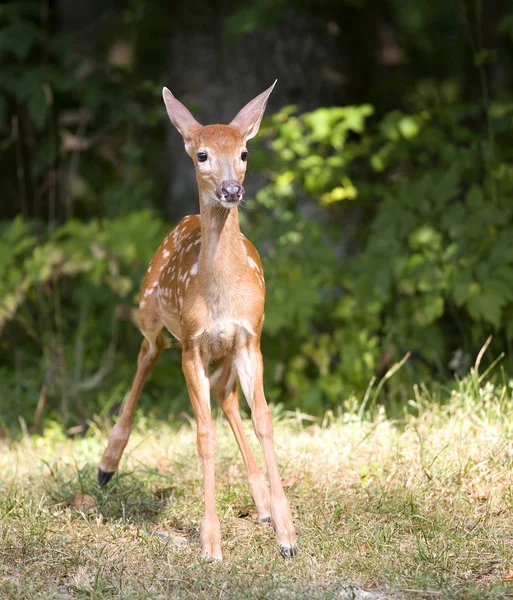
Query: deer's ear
[248, 119]
[180, 116]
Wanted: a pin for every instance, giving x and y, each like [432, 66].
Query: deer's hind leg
[150, 350]
[224, 386]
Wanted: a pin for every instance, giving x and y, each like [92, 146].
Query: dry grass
[417, 508]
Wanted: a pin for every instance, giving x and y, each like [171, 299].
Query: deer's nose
[230, 190]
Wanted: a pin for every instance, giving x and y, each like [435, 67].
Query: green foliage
[67, 309]
[431, 271]
[385, 227]
[77, 125]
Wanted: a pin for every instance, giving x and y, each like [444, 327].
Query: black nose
[230, 190]
[233, 189]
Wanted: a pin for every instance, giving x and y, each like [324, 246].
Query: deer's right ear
[180, 116]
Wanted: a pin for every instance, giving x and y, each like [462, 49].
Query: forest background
[380, 192]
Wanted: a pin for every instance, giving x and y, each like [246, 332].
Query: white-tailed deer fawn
[205, 284]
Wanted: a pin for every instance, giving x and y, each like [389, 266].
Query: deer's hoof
[104, 476]
[288, 552]
[265, 520]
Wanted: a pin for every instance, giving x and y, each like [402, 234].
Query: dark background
[380, 191]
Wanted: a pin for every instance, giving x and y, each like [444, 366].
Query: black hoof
[265, 520]
[104, 476]
[287, 552]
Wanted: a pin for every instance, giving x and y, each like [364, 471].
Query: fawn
[205, 285]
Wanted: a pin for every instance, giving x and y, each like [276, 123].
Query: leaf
[486, 306]
[178, 540]
[293, 479]
[485, 57]
[19, 39]
[83, 502]
[425, 236]
[475, 198]
[447, 187]
[164, 464]
[346, 191]
[429, 309]
[481, 493]
[506, 26]
[363, 549]
[257, 15]
[409, 127]
[461, 289]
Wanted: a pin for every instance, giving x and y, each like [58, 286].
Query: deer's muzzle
[230, 191]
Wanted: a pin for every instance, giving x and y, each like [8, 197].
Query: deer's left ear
[180, 116]
[248, 119]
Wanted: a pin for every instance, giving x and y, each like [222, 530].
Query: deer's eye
[244, 155]
[202, 156]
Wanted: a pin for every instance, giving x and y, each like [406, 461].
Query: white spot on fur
[245, 370]
[253, 264]
[149, 269]
[142, 303]
[166, 253]
[194, 269]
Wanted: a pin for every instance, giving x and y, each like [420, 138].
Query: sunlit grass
[417, 507]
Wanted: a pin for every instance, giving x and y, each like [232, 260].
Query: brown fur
[205, 285]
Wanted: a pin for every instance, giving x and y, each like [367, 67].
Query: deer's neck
[222, 248]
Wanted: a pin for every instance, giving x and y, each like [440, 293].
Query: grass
[420, 507]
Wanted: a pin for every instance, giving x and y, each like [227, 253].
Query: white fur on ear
[249, 118]
[179, 115]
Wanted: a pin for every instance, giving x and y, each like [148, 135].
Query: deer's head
[219, 152]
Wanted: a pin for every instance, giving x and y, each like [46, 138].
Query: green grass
[419, 507]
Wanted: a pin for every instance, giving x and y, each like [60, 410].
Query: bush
[381, 234]
[409, 249]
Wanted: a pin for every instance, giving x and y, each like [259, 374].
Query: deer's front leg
[195, 371]
[251, 373]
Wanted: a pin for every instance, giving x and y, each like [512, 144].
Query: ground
[416, 507]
